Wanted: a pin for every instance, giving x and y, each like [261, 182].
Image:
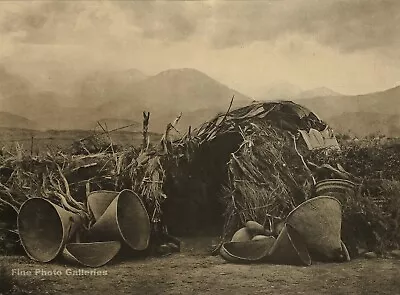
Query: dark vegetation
[374, 212]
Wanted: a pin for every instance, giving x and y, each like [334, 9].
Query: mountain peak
[280, 90]
[318, 92]
[182, 72]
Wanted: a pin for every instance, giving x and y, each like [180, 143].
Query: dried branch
[146, 139]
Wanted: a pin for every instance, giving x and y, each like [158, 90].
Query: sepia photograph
[199, 147]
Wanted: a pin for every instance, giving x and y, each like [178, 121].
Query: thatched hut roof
[245, 164]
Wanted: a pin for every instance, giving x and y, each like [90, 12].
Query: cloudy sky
[350, 46]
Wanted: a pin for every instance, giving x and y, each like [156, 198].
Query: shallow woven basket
[318, 221]
[289, 248]
[125, 219]
[44, 228]
[94, 254]
[248, 251]
[339, 188]
[98, 202]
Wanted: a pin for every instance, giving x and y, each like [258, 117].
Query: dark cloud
[354, 25]
[48, 22]
[348, 25]
[167, 21]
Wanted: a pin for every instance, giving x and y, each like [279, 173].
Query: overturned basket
[318, 221]
[125, 219]
[44, 228]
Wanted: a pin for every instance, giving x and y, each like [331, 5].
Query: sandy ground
[194, 271]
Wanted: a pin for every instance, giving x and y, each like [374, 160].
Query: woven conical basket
[125, 219]
[44, 228]
[318, 221]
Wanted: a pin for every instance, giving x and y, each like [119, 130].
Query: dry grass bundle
[150, 184]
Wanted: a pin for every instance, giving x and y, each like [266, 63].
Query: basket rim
[290, 228]
[68, 254]
[91, 243]
[135, 196]
[238, 258]
[101, 192]
[336, 180]
[309, 201]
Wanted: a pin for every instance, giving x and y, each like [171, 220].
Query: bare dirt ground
[194, 271]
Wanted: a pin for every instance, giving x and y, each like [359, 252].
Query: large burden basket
[98, 202]
[44, 228]
[125, 219]
[318, 221]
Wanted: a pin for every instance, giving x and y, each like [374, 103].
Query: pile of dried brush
[66, 178]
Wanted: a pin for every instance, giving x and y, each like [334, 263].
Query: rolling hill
[14, 121]
[384, 102]
[363, 124]
[377, 112]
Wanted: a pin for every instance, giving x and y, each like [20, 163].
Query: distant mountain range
[288, 91]
[118, 98]
[317, 92]
[374, 113]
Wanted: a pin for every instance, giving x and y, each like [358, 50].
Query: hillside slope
[366, 114]
[14, 121]
[384, 102]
